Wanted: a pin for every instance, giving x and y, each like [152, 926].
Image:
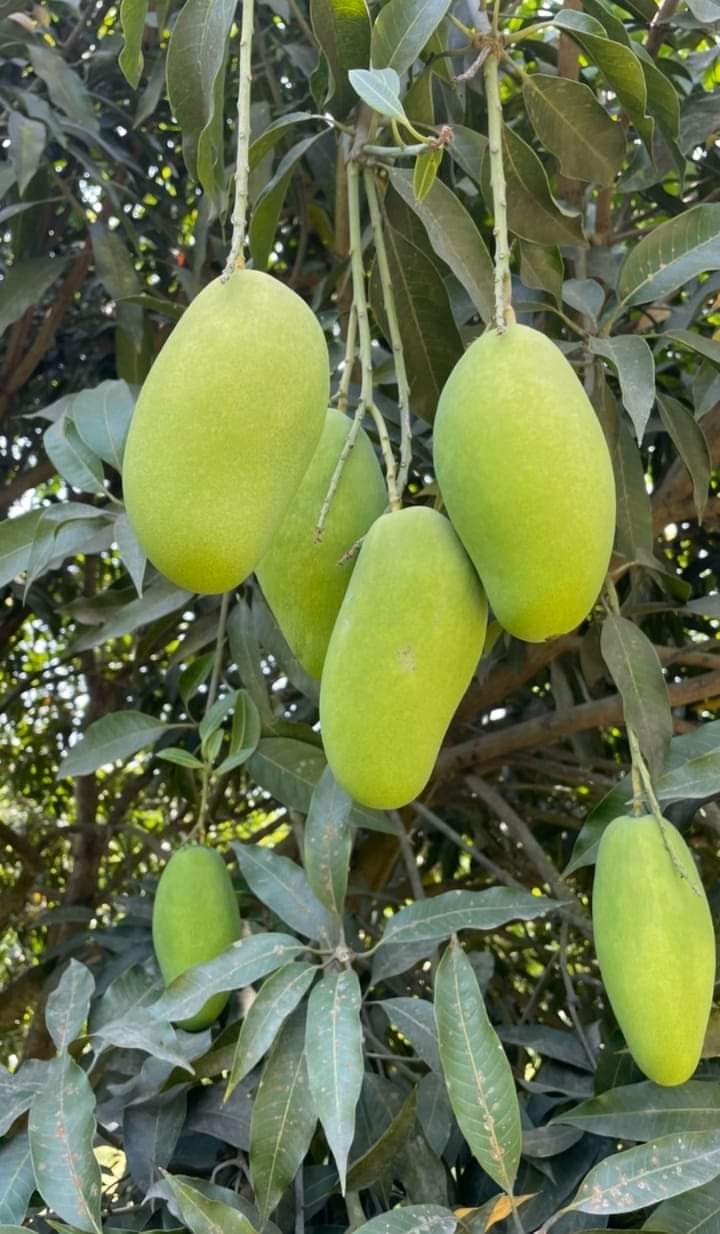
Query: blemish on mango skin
[406, 658]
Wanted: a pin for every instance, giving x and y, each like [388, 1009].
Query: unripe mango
[195, 918]
[655, 942]
[526, 476]
[406, 642]
[225, 426]
[303, 580]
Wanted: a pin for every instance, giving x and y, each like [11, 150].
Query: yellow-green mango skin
[527, 479]
[195, 918]
[406, 642]
[224, 429]
[303, 582]
[655, 943]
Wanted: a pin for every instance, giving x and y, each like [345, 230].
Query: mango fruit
[195, 918]
[526, 476]
[224, 429]
[655, 943]
[406, 642]
[302, 579]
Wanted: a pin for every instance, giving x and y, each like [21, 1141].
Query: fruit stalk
[503, 286]
[353, 431]
[367, 402]
[394, 329]
[236, 256]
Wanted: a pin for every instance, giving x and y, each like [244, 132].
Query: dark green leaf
[205, 1216]
[645, 1111]
[278, 997]
[27, 143]
[17, 1180]
[73, 460]
[266, 214]
[61, 1129]
[634, 517]
[180, 758]
[575, 127]
[282, 886]
[695, 1212]
[16, 540]
[414, 1219]
[542, 267]
[402, 29]
[334, 1054]
[619, 65]
[64, 86]
[633, 360]
[328, 843]
[477, 1073]
[112, 737]
[69, 1003]
[533, 213]
[445, 914]
[342, 28]
[158, 600]
[636, 671]
[132, 19]
[700, 343]
[375, 1161]
[274, 133]
[283, 1117]
[102, 418]
[195, 66]
[670, 255]
[25, 284]
[134, 558]
[691, 444]
[655, 1171]
[425, 171]
[415, 1019]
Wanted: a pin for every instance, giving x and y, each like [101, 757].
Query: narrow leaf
[61, 1130]
[443, 915]
[282, 886]
[69, 1003]
[380, 89]
[575, 127]
[115, 736]
[279, 996]
[17, 1180]
[632, 358]
[670, 255]
[637, 673]
[402, 29]
[656, 1171]
[335, 1059]
[205, 1216]
[328, 842]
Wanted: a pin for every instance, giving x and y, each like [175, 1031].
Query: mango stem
[503, 285]
[236, 256]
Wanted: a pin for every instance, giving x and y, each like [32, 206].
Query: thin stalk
[360, 302]
[236, 256]
[394, 330]
[353, 431]
[503, 287]
[396, 152]
[211, 695]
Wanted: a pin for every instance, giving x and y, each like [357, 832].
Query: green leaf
[374, 1162]
[412, 1219]
[71, 458]
[656, 1171]
[112, 737]
[246, 732]
[68, 1005]
[575, 127]
[468, 150]
[645, 1111]
[134, 558]
[158, 600]
[696, 1212]
[479, 1080]
[114, 264]
[415, 1019]
[17, 1180]
[195, 65]
[266, 214]
[204, 1216]
[670, 255]
[133, 14]
[634, 516]
[691, 444]
[586, 296]
[533, 213]
[278, 997]
[244, 962]
[281, 885]
[213, 718]
[633, 360]
[430, 337]
[274, 133]
[16, 540]
[342, 28]
[542, 267]
[692, 780]
[180, 757]
[453, 236]
[140, 1032]
[425, 171]
[61, 1130]
[618, 64]
[27, 143]
[437, 918]
[64, 86]
[401, 30]
[18, 1089]
[636, 671]
[434, 1112]
[25, 284]
[290, 769]
[283, 1117]
[102, 418]
[709, 348]
[327, 843]
[662, 103]
[380, 89]
[334, 1054]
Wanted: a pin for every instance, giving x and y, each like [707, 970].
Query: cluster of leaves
[427, 1089]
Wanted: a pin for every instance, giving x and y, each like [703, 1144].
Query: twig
[408, 857]
[503, 287]
[572, 999]
[484, 862]
[219, 644]
[659, 26]
[354, 428]
[394, 330]
[236, 256]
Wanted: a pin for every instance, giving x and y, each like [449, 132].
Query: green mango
[525, 473]
[655, 943]
[406, 642]
[303, 580]
[195, 918]
[224, 429]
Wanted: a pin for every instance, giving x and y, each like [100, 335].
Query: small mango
[224, 429]
[195, 918]
[526, 476]
[303, 580]
[406, 642]
[655, 943]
